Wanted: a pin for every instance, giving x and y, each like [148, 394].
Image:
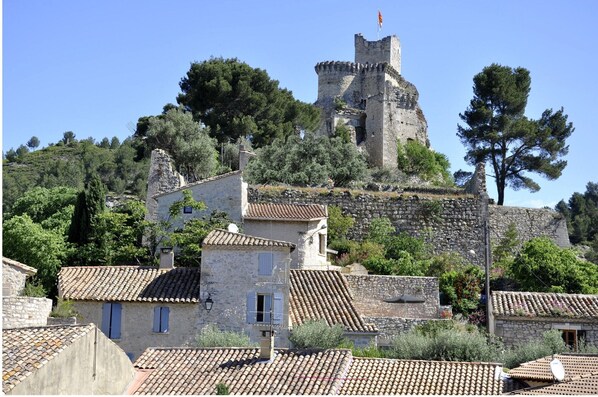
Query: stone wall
[449, 223]
[516, 330]
[529, 223]
[25, 311]
[162, 178]
[137, 324]
[391, 327]
[13, 280]
[371, 292]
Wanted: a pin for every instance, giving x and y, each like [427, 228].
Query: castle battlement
[384, 106]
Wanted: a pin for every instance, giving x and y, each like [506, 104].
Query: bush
[445, 345]
[338, 224]
[64, 309]
[462, 288]
[34, 290]
[416, 159]
[211, 336]
[317, 334]
[551, 343]
[369, 351]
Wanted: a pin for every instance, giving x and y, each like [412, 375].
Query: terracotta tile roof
[376, 376]
[539, 370]
[24, 350]
[225, 238]
[190, 185]
[540, 304]
[290, 212]
[322, 294]
[198, 371]
[129, 284]
[580, 385]
[27, 269]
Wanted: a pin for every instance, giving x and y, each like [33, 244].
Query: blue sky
[95, 67]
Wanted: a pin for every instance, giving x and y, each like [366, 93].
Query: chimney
[166, 258]
[267, 345]
[244, 157]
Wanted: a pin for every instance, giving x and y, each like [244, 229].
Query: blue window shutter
[251, 306]
[266, 260]
[157, 318]
[115, 321]
[267, 308]
[106, 311]
[165, 312]
[278, 308]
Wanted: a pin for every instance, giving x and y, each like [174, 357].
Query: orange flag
[379, 19]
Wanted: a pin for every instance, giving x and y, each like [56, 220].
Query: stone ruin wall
[162, 178]
[449, 222]
[453, 224]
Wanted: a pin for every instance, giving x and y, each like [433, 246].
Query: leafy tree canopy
[498, 132]
[544, 267]
[236, 100]
[307, 161]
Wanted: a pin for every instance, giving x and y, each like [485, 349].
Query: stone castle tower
[371, 98]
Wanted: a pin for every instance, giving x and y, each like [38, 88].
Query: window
[264, 308]
[161, 315]
[187, 209]
[322, 241]
[265, 263]
[572, 337]
[111, 319]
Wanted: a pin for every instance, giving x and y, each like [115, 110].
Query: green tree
[544, 267]
[189, 145]
[41, 203]
[498, 132]
[68, 137]
[235, 100]
[28, 242]
[307, 161]
[414, 158]
[338, 224]
[33, 143]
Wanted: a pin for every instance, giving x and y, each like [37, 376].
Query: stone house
[195, 371]
[519, 317]
[302, 224]
[136, 307]
[247, 279]
[73, 359]
[21, 311]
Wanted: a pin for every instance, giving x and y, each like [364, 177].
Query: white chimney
[166, 258]
[267, 345]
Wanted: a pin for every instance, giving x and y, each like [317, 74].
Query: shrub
[34, 289]
[338, 224]
[462, 288]
[63, 309]
[413, 158]
[317, 334]
[446, 345]
[222, 389]
[368, 351]
[551, 343]
[211, 336]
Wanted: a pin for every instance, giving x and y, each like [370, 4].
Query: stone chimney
[166, 258]
[244, 157]
[267, 345]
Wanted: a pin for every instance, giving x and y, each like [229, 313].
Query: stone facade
[529, 223]
[310, 238]
[229, 275]
[371, 98]
[225, 193]
[137, 324]
[519, 330]
[25, 311]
